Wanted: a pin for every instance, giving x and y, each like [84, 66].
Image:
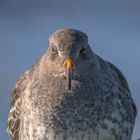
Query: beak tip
[69, 86]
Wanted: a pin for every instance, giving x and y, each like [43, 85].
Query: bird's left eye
[83, 49]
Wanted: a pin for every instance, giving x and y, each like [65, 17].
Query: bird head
[68, 48]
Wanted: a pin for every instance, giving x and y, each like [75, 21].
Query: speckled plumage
[98, 107]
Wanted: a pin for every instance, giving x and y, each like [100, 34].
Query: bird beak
[69, 71]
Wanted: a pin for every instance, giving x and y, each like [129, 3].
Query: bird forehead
[67, 37]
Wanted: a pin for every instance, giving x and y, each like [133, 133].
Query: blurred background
[113, 27]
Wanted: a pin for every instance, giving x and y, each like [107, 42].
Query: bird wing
[14, 114]
[122, 80]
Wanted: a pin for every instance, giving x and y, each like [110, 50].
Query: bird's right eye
[53, 53]
[53, 49]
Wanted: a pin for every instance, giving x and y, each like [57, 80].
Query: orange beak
[69, 71]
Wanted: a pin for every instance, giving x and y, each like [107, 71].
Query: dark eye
[53, 49]
[82, 50]
[53, 53]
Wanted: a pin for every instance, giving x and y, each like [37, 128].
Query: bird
[71, 93]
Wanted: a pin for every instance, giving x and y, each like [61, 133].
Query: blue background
[113, 27]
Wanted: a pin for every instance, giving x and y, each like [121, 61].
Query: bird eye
[53, 53]
[82, 50]
[53, 49]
